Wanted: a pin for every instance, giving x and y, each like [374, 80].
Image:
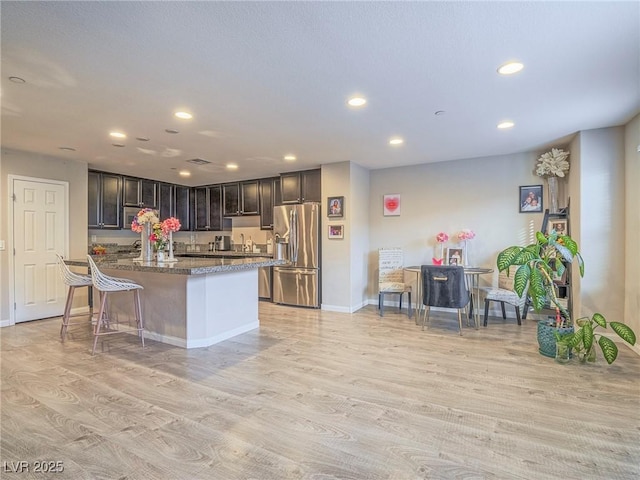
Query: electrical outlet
[1, 244]
[93, 239]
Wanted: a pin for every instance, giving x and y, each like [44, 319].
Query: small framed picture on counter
[336, 231]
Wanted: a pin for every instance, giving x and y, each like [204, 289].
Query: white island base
[191, 311]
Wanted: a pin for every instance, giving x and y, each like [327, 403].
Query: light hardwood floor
[317, 395]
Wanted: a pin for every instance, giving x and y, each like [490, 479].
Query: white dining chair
[106, 284]
[72, 280]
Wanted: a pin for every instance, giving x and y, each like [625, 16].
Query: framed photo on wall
[336, 231]
[455, 255]
[531, 199]
[391, 205]
[335, 207]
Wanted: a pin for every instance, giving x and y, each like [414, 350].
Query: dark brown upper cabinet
[105, 200]
[241, 198]
[300, 187]
[140, 192]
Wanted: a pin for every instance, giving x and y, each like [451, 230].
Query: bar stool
[73, 281]
[105, 285]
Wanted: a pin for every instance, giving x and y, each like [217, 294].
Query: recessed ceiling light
[118, 144]
[171, 130]
[396, 141]
[510, 68]
[439, 112]
[67, 149]
[357, 101]
[507, 124]
[117, 135]
[184, 115]
[232, 166]
[17, 80]
[142, 139]
[184, 173]
[290, 158]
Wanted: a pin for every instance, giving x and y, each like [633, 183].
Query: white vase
[146, 252]
[160, 256]
[552, 183]
[170, 258]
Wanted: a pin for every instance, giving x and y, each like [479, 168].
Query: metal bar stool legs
[106, 285]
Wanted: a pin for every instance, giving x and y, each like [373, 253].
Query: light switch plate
[1, 244]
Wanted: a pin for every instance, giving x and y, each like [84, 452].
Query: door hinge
[13, 196]
[14, 306]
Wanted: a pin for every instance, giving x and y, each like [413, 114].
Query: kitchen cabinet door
[165, 200]
[215, 208]
[300, 187]
[201, 216]
[231, 199]
[182, 210]
[266, 203]
[250, 198]
[140, 192]
[105, 200]
[310, 186]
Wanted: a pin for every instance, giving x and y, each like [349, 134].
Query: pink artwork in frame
[391, 204]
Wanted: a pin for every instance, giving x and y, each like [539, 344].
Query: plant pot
[547, 337]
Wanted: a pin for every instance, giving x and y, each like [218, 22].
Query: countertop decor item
[538, 264]
[465, 235]
[170, 225]
[142, 224]
[441, 239]
[552, 165]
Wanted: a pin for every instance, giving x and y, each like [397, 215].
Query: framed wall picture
[391, 205]
[335, 207]
[455, 255]
[559, 225]
[336, 231]
[531, 199]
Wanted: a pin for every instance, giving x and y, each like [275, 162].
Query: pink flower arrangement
[146, 215]
[442, 237]
[171, 224]
[466, 234]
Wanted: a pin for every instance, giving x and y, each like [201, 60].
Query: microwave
[129, 213]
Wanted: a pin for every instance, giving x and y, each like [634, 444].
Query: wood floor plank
[314, 394]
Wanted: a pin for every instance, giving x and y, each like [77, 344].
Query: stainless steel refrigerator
[296, 231]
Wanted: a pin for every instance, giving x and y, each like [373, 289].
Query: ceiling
[266, 79]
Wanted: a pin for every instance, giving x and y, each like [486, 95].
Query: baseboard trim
[6, 323]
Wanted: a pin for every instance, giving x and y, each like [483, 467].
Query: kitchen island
[193, 303]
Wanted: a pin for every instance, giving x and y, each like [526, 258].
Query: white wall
[41, 166]
[601, 227]
[632, 224]
[481, 194]
[359, 238]
[336, 253]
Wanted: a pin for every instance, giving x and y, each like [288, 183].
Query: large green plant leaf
[609, 349]
[506, 258]
[574, 339]
[570, 244]
[587, 335]
[537, 289]
[580, 264]
[521, 279]
[624, 332]
[526, 255]
[542, 240]
[599, 319]
[564, 252]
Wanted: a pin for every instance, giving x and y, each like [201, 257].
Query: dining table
[472, 274]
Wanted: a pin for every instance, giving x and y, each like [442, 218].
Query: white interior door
[39, 231]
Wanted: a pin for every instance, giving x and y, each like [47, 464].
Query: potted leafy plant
[538, 265]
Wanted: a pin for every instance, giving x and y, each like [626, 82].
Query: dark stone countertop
[184, 265]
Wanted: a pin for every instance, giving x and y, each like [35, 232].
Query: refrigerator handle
[294, 236]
